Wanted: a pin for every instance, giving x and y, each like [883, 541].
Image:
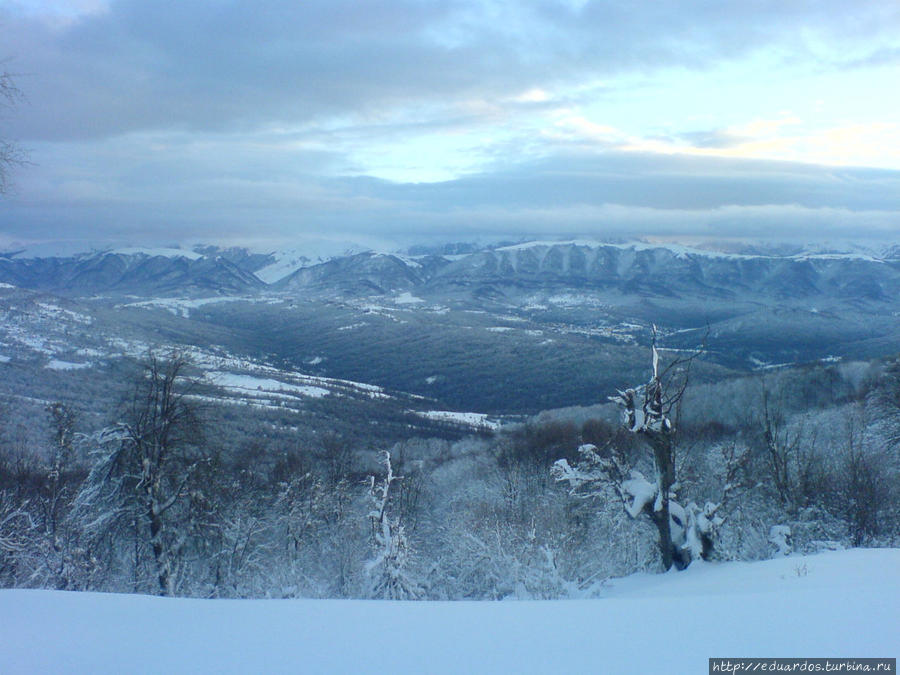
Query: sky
[231, 121]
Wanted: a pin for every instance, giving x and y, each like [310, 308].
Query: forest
[162, 497]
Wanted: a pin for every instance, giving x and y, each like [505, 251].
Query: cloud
[675, 182]
[739, 135]
[200, 119]
[871, 144]
[167, 198]
[204, 66]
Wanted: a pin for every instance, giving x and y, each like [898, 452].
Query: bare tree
[786, 453]
[143, 468]
[10, 153]
[15, 523]
[863, 484]
[61, 455]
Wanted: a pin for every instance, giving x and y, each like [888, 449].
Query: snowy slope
[307, 253]
[836, 604]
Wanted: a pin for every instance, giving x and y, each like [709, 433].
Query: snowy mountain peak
[287, 261]
[156, 252]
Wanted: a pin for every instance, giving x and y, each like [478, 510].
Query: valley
[507, 331]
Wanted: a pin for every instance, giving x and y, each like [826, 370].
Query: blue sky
[228, 120]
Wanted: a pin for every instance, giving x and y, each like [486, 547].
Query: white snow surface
[253, 385]
[56, 364]
[835, 604]
[407, 298]
[641, 490]
[309, 252]
[478, 420]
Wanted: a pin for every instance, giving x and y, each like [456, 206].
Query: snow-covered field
[836, 604]
[475, 420]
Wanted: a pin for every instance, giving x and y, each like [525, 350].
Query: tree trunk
[160, 555]
[661, 443]
[661, 520]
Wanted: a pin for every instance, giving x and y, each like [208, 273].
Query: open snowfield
[837, 604]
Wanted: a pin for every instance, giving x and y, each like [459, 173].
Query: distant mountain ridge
[640, 269]
[128, 272]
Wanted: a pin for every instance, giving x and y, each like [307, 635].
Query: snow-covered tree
[141, 471]
[57, 545]
[388, 571]
[684, 532]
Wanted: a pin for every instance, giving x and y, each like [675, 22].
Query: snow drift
[836, 604]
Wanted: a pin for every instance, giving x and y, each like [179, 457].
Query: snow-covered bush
[780, 538]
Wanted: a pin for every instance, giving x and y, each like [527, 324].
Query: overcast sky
[159, 122]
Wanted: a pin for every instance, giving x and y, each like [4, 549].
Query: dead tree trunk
[665, 471]
[683, 533]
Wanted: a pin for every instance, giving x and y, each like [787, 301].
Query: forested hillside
[167, 496]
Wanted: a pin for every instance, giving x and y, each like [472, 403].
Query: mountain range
[609, 270]
[506, 329]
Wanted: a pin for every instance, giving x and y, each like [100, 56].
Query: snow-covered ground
[183, 306]
[247, 384]
[407, 298]
[836, 604]
[476, 420]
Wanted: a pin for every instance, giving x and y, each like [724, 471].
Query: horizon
[324, 248]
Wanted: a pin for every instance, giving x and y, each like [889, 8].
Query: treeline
[157, 502]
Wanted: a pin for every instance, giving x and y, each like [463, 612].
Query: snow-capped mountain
[609, 271]
[434, 323]
[143, 272]
[642, 269]
[674, 272]
[284, 262]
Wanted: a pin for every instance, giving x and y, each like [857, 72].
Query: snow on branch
[591, 472]
[646, 408]
[641, 491]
